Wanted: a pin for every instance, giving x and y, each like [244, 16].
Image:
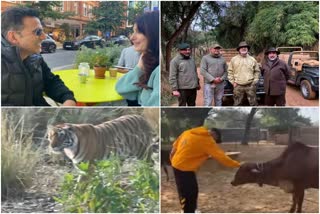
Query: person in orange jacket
[191, 149]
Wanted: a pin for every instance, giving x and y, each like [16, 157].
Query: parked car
[228, 92]
[119, 40]
[91, 41]
[304, 67]
[48, 45]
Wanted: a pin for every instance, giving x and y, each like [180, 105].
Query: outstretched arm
[217, 153]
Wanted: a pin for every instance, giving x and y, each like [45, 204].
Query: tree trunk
[185, 36]
[246, 135]
[184, 23]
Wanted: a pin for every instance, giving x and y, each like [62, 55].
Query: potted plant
[99, 58]
[100, 62]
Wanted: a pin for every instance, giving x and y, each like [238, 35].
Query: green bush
[111, 186]
[18, 158]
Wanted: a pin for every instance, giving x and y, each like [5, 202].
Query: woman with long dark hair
[143, 82]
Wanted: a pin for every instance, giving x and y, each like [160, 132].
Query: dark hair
[148, 25]
[12, 18]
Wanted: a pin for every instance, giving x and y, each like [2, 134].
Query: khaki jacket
[243, 70]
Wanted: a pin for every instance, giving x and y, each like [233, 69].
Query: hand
[69, 103]
[176, 93]
[220, 79]
[234, 84]
[140, 63]
[217, 80]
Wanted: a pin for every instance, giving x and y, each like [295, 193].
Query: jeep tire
[306, 90]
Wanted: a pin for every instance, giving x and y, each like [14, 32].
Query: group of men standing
[243, 73]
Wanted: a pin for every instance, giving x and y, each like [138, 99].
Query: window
[90, 11]
[85, 9]
[76, 8]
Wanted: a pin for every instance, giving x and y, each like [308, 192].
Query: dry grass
[166, 97]
[152, 116]
[18, 158]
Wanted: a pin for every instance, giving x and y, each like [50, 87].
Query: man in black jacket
[25, 76]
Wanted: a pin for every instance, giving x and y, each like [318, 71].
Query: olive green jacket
[183, 73]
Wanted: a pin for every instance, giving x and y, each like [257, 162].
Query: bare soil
[39, 198]
[217, 195]
[293, 96]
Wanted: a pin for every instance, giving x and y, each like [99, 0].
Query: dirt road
[293, 96]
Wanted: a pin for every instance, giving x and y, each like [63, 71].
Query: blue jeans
[211, 94]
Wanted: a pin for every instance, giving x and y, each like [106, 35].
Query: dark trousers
[187, 187]
[187, 97]
[278, 100]
[133, 103]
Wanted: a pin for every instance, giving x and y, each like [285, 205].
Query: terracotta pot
[99, 72]
[113, 72]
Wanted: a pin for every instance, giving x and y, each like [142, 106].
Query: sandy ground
[293, 96]
[217, 195]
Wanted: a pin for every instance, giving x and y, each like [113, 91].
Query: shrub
[18, 158]
[112, 186]
[166, 92]
[103, 56]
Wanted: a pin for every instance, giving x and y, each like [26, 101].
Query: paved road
[61, 59]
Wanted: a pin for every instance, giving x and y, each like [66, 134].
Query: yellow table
[94, 90]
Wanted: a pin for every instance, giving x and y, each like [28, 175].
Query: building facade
[74, 25]
[82, 11]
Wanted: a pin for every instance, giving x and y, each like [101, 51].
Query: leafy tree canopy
[284, 23]
[108, 16]
[283, 118]
[47, 9]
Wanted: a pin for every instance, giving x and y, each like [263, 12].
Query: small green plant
[107, 56]
[100, 58]
[18, 158]
[112, 186]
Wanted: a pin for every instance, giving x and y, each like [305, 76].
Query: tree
[176, 120]
[108, 16]
[136, 10]
[47, 9]
[233, 24]
[227, 118]
[281, 119]
[249, 120]
[180, 14]
[66, 29]
[283, 24]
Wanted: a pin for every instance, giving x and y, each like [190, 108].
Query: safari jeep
[304, 67]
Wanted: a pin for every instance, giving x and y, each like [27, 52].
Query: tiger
[126, 136]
